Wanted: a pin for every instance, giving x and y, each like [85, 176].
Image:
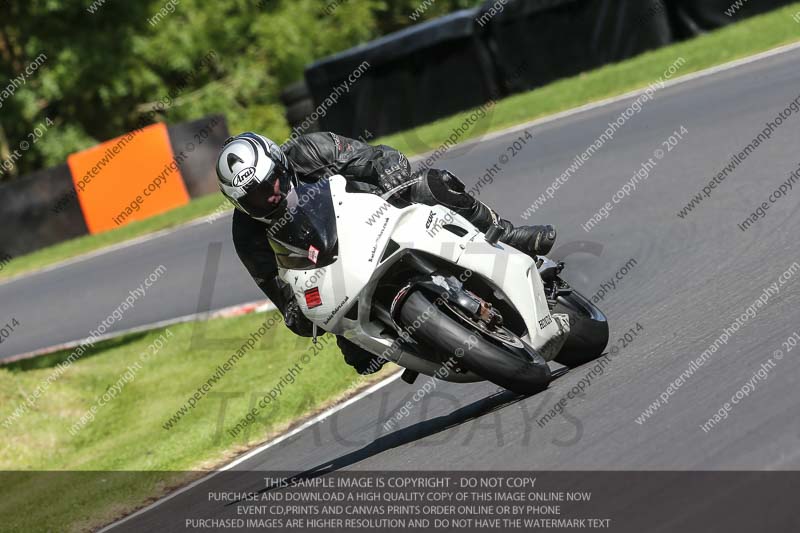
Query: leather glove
[293, 316]
[296, 321]
[393, 170]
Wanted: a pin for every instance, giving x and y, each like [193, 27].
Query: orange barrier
[132, 177]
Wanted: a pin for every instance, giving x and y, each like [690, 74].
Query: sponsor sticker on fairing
[313, 298]
[313, 254]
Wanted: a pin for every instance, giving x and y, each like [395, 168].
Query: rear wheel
[508, 364]
[588, 334]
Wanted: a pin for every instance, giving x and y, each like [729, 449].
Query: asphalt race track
[692, 278]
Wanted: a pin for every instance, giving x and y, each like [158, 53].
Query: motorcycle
[420, 286]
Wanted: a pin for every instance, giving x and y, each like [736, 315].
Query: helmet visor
[256, 202]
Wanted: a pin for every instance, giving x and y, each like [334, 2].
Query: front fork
[554, 286]
[450, 290]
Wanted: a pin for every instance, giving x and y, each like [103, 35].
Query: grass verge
[739, 40]
[128, 432]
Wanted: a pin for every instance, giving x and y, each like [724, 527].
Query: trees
[109, 65]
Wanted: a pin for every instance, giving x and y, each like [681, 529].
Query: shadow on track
[420, 430]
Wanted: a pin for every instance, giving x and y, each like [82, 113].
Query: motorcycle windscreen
[305, 237]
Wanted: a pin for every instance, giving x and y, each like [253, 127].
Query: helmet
[247, 169]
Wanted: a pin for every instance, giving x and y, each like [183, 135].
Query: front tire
[588, 334]
[521, 371]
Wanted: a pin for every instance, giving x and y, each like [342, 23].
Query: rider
[256, 174]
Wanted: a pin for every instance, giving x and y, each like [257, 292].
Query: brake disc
[499, 333]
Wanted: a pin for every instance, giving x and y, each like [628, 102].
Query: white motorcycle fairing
[372, 236]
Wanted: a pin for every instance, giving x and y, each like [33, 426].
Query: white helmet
[247, 168]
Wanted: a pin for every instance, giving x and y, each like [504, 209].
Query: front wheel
[588, 334]
[518, 369]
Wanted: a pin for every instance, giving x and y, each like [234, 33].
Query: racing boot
[364, 362]
[532, 240]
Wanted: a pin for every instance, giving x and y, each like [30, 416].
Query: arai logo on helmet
[244, 176]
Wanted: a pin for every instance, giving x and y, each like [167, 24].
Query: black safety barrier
[534, 42]
[196, 145]
[416, 75]
[464, 59]
[40, 209]
[299, 105]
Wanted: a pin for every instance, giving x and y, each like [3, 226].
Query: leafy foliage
[112, 65]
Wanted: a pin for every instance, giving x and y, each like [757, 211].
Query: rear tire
[521, 371]
[588, 334]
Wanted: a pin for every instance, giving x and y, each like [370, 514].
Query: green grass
[127, 433]
[745, 38]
